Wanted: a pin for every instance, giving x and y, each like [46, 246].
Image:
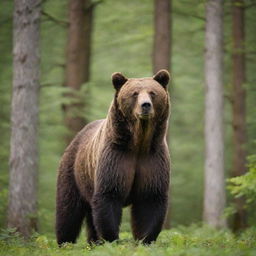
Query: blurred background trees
[214, 181]
[121, 38]
[77, 67]
[22, 205]
[162, 45]
[239, 104]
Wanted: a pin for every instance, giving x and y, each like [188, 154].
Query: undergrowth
[184, 241]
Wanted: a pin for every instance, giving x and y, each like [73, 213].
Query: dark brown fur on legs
[148, 215]
[107, 215]
[109, 196]
[70, 209]
[118, 161]
[70, 206]
[92, 237]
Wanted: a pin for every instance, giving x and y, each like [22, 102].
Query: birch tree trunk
[214, 190]
[78, 61]
[24, 117]
[162, 53]
[239, 105]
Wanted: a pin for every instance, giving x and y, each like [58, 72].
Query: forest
[57, 58]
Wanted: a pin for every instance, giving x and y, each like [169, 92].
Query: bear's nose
[146, 106]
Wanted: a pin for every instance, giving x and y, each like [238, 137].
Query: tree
[162, 35]
[239, 105]
[24, 117]
[78, 61]
[214, 191]
[162, 50]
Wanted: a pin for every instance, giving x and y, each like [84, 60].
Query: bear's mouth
[145, 116]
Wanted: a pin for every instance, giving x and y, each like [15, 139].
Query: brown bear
[118, 161]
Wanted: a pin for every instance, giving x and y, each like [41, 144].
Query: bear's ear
[118, 80]
[162, 77]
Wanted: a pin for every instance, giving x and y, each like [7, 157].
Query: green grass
[176, 242]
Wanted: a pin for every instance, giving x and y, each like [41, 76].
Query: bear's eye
[152, 94]
[135, 94]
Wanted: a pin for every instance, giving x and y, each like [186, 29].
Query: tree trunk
[78, 61]
[214, 191]
[162, 52]
[162, 36]
[24, 117]
[239, 105]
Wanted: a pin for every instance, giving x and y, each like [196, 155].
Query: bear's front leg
[148, 214]
[113, 180]
[107, 212]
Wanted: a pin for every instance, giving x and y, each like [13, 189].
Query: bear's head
[142, 98]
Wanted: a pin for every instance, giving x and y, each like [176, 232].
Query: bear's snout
[146, 106]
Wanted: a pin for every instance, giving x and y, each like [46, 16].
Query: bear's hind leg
[92, 236]
[70, 208]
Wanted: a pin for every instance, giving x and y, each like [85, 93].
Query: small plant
[245, 185]
[10, 236]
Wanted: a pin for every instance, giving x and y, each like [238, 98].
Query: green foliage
[245, 185]
[192, 241]
[3, 205]
[9, 235]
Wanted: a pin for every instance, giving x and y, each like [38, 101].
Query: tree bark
[162, 53]
[239, 105]
[214, 190]
[162, 36]
[24, 117]
[78, 61]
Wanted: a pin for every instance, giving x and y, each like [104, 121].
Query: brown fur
[118, 161]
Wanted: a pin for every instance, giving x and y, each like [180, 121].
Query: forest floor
[184, 241]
